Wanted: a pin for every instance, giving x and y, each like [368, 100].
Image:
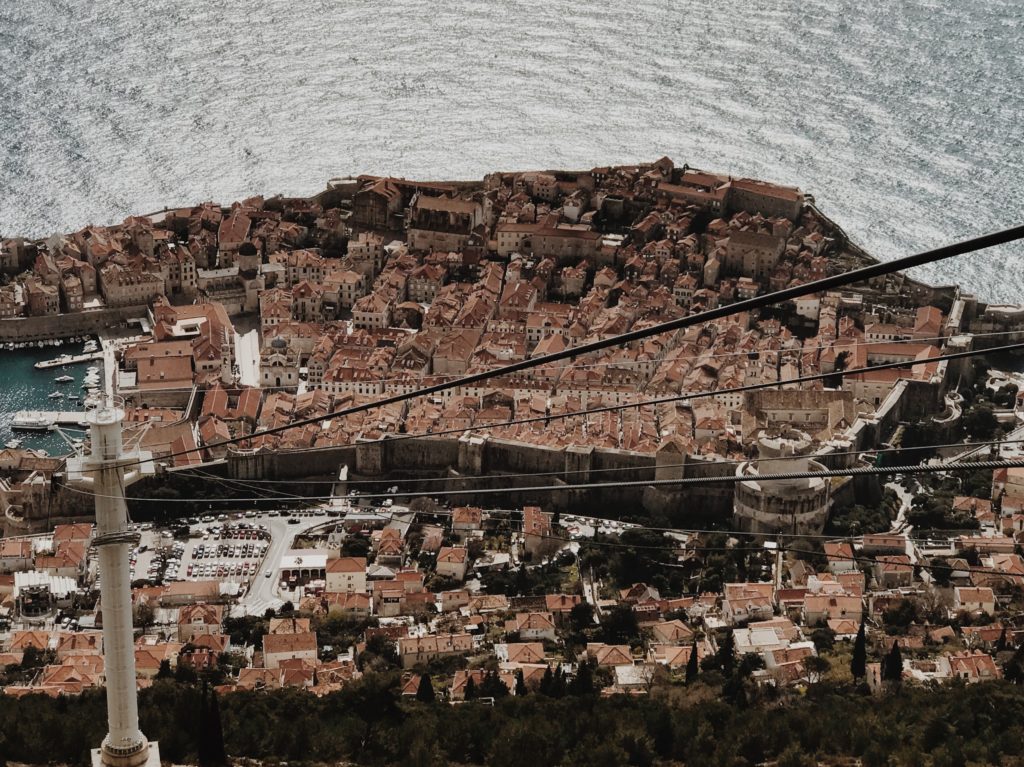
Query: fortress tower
[795, 506]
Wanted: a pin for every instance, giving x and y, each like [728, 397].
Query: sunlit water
[903, 118]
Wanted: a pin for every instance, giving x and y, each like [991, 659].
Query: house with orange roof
[536, 626]
[670, 632]
[609, 655]
[748, 601]
[520, 652]
[197, 619]
[971, 666]
[416, 650]
[278, 648]
[452, 562]
[347, 575]
[974, 599]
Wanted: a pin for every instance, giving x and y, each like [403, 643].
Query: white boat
[63, 379]
[55, 395]
[30, 421]
[13, 444]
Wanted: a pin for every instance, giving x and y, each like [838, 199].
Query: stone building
[781, 505]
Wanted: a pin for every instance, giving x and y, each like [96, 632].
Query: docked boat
[30, 421]
[90, 347]
[55, 395]
[13, 444]
[64, 379]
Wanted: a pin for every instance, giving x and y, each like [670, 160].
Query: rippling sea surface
[904, 119]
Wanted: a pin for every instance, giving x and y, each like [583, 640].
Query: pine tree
[892, 668]
[859, 661]
[520, 684]
[425, 691]
[469, 693]
[692, 665]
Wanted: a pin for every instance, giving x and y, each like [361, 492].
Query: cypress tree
[892, 668]
[727, 653]
[469, 692]
[546, 682]
[218, 754]
[520, 684]
[859, 661]
[692, 665]
[583, 682]
[203, 750]
[425, 691]
[558, 684]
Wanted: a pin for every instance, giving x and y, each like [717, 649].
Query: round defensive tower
[769, 506]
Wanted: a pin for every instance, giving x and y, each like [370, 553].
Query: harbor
[40, 402]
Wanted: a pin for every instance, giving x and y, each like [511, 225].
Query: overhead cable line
[610, 470]
[681, 482]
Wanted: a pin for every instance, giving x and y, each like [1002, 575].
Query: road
[262, 594]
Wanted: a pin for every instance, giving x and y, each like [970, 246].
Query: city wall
[22, 329]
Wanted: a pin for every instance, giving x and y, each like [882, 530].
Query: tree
[204, 753]
[619, 625]
[583, 682]
[469, 692]
[165, 672]
[492, 686]
[1013, 670]
[546, 681]
[1001, 645]
[425, 691]
[143, 616]
[816, 667]
[520, 684]
[581, 616]
[980, 421]
[692, 665]
[726, 655]
[859, 661]
[218, 756]
[892, 667]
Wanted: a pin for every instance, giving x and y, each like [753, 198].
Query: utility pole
[101, 468]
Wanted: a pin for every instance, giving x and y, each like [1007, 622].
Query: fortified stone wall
[21, 329]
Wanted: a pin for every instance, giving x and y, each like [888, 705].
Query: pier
[69, 359]
[45, 420]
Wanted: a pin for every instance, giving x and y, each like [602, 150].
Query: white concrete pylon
[124, 745]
